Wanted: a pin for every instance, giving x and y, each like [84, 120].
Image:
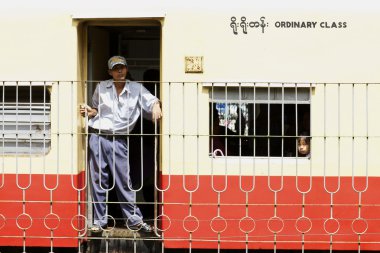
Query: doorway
[140, 44]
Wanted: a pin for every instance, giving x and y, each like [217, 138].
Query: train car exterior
[242, 85]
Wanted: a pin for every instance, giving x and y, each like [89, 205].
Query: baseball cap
[115, 60]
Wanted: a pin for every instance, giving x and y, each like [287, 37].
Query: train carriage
[243, 86]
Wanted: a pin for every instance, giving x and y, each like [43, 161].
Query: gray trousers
[108, 155]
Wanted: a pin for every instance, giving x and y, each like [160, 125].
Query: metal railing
[230, 165]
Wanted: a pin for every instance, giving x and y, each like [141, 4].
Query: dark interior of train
[140, 45]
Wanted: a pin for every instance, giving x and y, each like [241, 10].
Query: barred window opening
[262, 122]
[25, 119]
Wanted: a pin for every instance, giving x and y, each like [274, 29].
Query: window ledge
[260, 160]
[258, 84]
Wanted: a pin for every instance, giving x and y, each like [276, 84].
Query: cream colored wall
[284, 55]
[40, 46]
[279, 55]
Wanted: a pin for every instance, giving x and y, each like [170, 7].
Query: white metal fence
[229, 166]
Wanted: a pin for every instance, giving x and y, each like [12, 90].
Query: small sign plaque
[193, 64]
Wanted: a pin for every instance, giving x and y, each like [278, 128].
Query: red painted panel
[40, 220]
[272, 208]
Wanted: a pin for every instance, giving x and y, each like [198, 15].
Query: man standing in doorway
[116, 106]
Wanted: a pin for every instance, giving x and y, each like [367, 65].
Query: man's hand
[156, 111]
[87, 110]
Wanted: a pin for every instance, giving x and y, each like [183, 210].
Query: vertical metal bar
[226, 145]
[211, 103]
[87, 179]
[184, 176]
[45, 172]
[282, 125]
[3, 135]
[240, 127]
[155, 162]
[17, 148]
[168, 117]
[269, 135]
[366, 140]
[324, 146]
[141, 150]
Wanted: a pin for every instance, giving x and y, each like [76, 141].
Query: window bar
[44, 161]
[297, 137]
[184, 144]
[254, 138]
[240, 127]
[23, 188]
[268, 129]
[226, 108]
[184, 176]
[199, 90]
[17, 176]
[44, 132]
[128, 158]
[197, 130]
[86, 163]
[339, 134]
[47, 179]
[99, 148]
[269, 155]
[303, 192]
[213, 136]
[154, 155]
[58, 144]
[366, 139]
[113, 168]
[156, 168]
[72, 162]
[331, 218]
[325, 147]
[226, 111]
[58, 159]
[77, 172]
[212, 122]
[282, 126]
[191, 195]
[141, 147]
[158, 189]
[309, 136]
[297, 133]
[30, 128]
[58, 129]
[226, 105]
[310, 118]
[366, 169]
[99, 157]
[3, 139]
[156, 176]
[268, 135]
[225, 174]
[240, 148]
[114, 94]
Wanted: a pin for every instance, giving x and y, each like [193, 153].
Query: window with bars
[25, 119]
[259, 121]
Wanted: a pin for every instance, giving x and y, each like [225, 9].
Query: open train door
[139, 41]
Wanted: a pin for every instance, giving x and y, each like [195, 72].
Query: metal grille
[258, 190]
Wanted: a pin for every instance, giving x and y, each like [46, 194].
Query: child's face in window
[303, 146]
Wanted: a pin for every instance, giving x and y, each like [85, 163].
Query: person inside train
[303, 146]
[117, 103]
[222, 139]
[303, 141]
